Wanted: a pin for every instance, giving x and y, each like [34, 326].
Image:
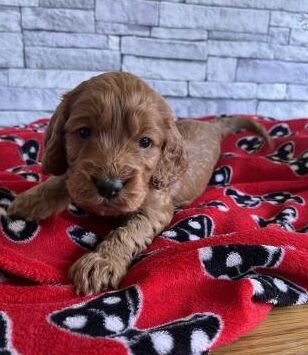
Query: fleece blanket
[211, 276]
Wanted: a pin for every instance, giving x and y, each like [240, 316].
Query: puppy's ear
[173, 161]
[54, 157]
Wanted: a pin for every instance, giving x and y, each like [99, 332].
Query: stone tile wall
[204, 56]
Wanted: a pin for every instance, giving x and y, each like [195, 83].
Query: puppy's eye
[84, 132]
[145, 142]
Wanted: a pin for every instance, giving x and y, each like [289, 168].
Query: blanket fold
[211, 276]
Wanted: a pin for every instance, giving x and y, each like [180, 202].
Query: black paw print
[300, 165]
[15, 228]
[19, 230]
[221, 176]
[242, 199]
[114, 316]
[27, 175]
[250, 144]
[28, 149]
[250, 201]
[13, 139]
[283, 154]
[276, 290]
[217, 204]
[232, 262]
[192, 228]
[30, 176]
[280, 130]
[283, 219]
[277, 198]
[85, 239]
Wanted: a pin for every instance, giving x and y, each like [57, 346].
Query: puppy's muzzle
[108, 188]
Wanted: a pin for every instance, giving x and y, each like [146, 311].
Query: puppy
[114, 148]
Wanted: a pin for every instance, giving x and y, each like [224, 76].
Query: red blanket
[214, 274]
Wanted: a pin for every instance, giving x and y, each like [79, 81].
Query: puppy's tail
[233, 124]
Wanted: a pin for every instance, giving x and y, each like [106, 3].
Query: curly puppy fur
[95, 133]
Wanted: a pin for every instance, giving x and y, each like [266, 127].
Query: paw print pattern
[276, 290]
[85, 239]
[6, 347]
[15, 228]
[250, 144]
[192, 228]
[19, 230]
[242, 199]
[217, 204]
[283, 154]
[28, 149]
[280, 130]
[300, 165]
[191, 335]
[27, 175]
[250, 201]
[277, 198]
[114, 316]
[232, 262]
[104, 316]
[30, 176]
[13, 139]
[283, 219]
[221, 176]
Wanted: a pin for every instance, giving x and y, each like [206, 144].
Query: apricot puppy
[114, 148]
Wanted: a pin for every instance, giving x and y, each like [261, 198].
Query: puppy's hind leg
[41, 201]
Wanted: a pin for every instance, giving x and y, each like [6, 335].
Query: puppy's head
[115, 139]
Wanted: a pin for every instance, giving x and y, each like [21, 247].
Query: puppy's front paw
[96, 271]
[21, 207]
[30, 206]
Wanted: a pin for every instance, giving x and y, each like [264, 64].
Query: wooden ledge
[283, 332]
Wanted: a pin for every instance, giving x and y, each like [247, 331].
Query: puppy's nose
[108, 188]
